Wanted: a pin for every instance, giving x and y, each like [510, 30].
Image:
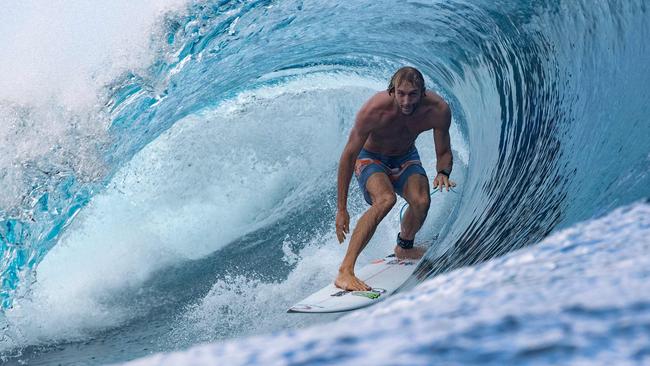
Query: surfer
[381, 152]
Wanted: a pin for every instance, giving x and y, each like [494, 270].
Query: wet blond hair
[408, 74]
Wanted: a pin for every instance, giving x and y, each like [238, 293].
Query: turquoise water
[193, 201]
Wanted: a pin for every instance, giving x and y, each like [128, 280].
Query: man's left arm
[442, 141]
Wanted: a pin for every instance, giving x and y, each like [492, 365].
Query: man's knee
[385, 202]
[421, 202]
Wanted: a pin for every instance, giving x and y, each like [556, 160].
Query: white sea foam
[56, 56]
[65, 50]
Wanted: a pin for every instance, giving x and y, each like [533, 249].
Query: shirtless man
[382, 142]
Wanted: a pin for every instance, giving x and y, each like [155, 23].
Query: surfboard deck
[384, 275]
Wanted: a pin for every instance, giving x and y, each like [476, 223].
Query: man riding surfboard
[381, 152]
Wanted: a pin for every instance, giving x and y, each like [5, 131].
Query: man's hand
[342, 224]
[442, 181]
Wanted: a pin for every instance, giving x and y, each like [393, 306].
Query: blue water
[552, 303]
[199, 203]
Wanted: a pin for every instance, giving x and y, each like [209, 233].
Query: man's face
[407, 98]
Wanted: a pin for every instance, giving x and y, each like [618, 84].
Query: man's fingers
[441, 183]
[341, 230]
[342, 225]
[340, 235]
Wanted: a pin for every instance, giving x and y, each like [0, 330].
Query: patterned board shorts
[398, 168]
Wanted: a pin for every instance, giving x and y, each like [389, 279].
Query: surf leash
[401, 210]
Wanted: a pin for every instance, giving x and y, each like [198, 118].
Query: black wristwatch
[445, 172]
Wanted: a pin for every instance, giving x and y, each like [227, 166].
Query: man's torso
[394, 133]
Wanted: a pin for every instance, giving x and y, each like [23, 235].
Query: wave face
[191, 197]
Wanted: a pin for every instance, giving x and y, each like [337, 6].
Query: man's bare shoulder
[376, 107]
[437, 109]
[379, 102]
[436, 104]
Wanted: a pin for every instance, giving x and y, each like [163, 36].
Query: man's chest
[398, 128]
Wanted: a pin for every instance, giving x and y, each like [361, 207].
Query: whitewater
[168, 179]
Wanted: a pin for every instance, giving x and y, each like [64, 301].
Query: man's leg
[416, 193]
[383, 199]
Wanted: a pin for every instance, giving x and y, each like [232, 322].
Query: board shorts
[397, 168]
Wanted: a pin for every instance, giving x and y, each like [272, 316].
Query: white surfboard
[383, 275]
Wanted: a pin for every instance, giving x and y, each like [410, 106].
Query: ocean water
[556, 302]
[168, 174]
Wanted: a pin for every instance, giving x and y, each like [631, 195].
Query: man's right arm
[357, 139]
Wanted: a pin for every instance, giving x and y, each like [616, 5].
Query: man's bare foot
[413, 253]
[348, 281]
